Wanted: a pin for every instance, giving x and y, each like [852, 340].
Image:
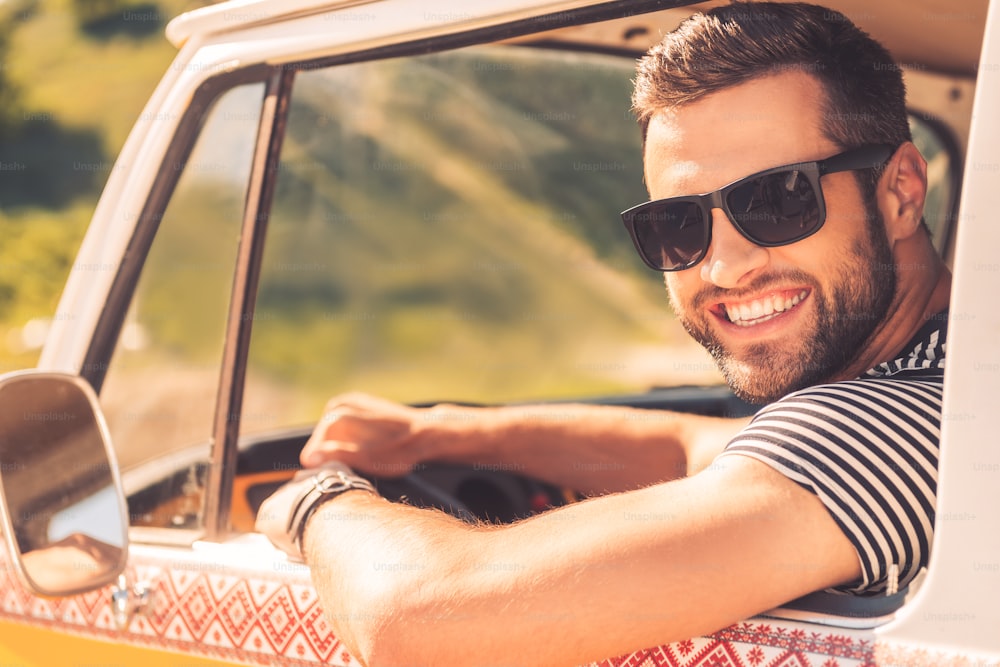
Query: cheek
[825, 254]
[815, 259]
[675, 292]
[846, 214]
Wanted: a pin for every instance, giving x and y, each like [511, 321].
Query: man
[806, 272]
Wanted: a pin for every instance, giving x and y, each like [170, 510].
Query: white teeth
[761, 310]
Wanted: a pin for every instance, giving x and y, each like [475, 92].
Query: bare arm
[593, 580]
[591, 448]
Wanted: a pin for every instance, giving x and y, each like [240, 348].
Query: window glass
[446, 227]
[160, 392]
[938, 207]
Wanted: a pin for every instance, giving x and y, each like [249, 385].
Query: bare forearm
[593, 449]
[401, 585]
[369, 560]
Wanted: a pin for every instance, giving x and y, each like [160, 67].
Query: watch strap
[326, 484]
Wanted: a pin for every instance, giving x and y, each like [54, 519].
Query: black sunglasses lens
[775, 208]
[670, 235]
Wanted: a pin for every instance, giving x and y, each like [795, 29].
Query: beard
[845, 319]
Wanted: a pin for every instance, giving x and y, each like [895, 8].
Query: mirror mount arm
[128, 601]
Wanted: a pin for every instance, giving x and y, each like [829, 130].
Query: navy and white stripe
[868, 448]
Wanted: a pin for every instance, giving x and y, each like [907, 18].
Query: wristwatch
[329, 482]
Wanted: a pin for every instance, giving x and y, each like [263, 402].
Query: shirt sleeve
[868, 449]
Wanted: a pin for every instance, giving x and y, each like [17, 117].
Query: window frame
[249, 259]
[107, 330]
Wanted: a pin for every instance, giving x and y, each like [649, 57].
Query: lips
[758, 311]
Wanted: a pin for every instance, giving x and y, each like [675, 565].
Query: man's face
[775, 319]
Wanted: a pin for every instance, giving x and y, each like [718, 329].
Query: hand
[276, 510]
[282, 516]
[370, 434]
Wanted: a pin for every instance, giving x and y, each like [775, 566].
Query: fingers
[378, 463]
[272, 518]
[353, 416]
[332, 439]
[359, 403]
[327, 437]
[364, 432]
[317, 452]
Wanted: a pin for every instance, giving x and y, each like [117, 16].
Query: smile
[758, 311]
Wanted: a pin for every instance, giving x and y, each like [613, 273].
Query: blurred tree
[88, 11]
[39, 157]
[9, 104]
[103, 19]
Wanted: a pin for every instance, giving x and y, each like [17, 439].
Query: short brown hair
[734, 44]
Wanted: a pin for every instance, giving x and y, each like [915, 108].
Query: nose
[731, 258]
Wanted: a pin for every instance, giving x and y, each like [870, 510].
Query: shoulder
[868, 448]
[912, 397]
[854, 425]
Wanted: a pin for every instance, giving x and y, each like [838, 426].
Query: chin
[760, 383]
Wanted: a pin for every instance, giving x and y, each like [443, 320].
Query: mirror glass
[62, 503]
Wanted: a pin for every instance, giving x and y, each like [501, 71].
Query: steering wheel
[471, 494]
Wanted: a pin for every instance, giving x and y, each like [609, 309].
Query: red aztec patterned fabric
[205, 609]
[756, 644]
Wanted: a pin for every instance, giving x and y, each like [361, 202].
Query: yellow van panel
[31, 646]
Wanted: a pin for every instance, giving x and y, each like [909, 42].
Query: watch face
[340, 480]
[333, 481]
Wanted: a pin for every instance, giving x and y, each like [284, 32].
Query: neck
[922, 291]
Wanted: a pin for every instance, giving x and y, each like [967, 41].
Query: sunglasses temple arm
[863, 157]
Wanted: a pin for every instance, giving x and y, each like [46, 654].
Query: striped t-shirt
[868, 448]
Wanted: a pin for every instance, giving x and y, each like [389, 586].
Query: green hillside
[461, 229]
[74, 75]
[444, 226]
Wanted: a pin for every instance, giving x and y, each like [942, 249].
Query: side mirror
[62, 509]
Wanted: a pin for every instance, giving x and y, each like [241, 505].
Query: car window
[159, 394]
[447, 227]
[939, 207]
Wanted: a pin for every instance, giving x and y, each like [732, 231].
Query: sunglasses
[771, 208]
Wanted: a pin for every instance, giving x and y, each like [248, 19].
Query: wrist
[318, 489]
[340, 511]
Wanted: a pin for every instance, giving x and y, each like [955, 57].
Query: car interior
[524, 183]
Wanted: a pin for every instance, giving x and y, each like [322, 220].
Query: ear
[901, 192]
